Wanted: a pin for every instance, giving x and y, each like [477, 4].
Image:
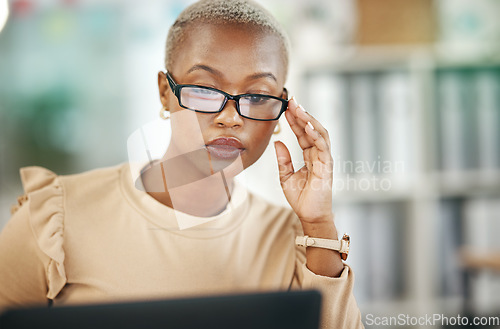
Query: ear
[163, 88]
[284, 95]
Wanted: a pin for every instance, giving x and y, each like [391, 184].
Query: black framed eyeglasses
[210, 100]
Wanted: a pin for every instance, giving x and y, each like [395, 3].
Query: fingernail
[294, 100]
[310, 125]
[303, 110]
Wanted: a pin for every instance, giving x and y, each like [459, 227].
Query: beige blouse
[97, 236]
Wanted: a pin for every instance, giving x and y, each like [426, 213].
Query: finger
[318, 163]
[320, 169]
[307, 158]
[319, 141]
[301, 117]
[324, 153]
[294, 108]
[285, 165]
[297, 124]
[320, 155]
[304, 140]
[314, 123]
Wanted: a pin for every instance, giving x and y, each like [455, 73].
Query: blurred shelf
[356, 192]
[351, 59]
[468, 183]
[433, 205]
[366, 58]
[443, 305]
[474, 55]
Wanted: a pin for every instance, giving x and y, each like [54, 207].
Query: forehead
[236, 50]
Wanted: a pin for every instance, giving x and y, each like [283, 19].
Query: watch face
[347, 239]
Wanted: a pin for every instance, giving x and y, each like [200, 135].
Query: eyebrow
[219, 73]
[205, 68]
[263, 75]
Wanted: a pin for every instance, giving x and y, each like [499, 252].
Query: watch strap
[342, 246]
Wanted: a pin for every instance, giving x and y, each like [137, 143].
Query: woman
[182, 226]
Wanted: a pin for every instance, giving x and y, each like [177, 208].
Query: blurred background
[409, 91]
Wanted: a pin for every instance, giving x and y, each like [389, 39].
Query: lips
[225, 147]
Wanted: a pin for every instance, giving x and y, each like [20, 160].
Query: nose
[229, 117]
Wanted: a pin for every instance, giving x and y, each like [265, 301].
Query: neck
[187, 183]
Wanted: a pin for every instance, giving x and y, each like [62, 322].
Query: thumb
[285, 166]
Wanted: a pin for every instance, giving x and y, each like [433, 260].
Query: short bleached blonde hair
[244, 12]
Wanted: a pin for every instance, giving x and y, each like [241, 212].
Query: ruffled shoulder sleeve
[44, 194]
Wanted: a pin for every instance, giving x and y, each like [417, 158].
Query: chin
[230, 167]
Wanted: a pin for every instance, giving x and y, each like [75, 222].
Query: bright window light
[4, 13]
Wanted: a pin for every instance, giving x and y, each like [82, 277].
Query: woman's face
[234, 59]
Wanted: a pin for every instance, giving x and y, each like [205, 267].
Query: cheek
[187, 134]
[260, 136]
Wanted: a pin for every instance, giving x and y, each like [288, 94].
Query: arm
[322, 261]
[22, 273]
[309, 192]
[309, 189]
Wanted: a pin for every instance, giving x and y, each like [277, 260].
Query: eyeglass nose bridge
[236, 99]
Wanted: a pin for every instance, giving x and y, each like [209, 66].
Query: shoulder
[92, 179]
[48, 201]
[42, 184]
[35, 177]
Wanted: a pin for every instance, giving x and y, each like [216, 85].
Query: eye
[258, 99]
[202, 91]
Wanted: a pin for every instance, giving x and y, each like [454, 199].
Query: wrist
[324, 229]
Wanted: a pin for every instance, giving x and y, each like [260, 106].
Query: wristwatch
[341, 246]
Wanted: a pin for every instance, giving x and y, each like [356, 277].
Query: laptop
[271, 310]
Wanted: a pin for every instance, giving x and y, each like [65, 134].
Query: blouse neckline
[165, 218]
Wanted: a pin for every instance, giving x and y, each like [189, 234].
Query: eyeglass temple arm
[170, 81]
[285, 93]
